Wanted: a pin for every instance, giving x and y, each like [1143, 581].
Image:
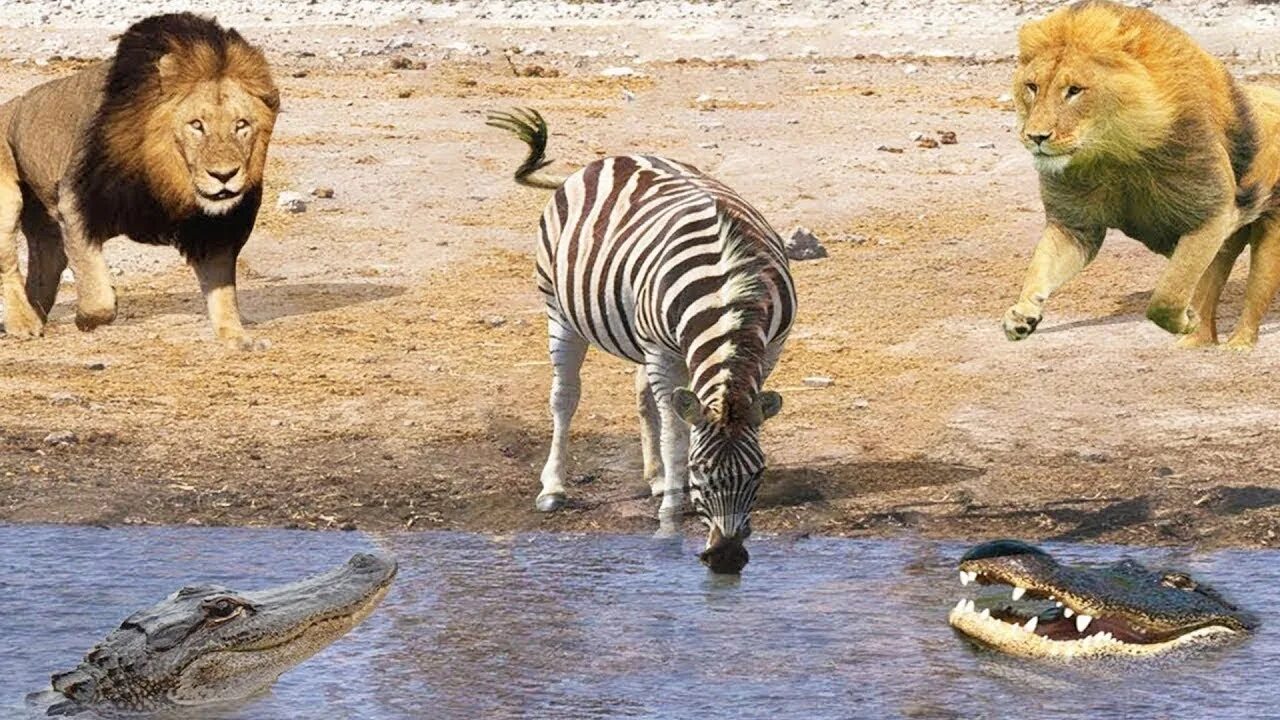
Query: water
[567, 626]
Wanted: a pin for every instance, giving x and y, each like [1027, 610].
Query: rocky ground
[406, 382]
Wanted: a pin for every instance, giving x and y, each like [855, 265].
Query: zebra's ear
[770, 404]
[687, 405]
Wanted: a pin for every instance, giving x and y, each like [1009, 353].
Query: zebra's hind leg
[650, 433]
[568, 349]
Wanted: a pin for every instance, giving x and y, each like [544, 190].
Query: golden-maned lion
[1132, 126]
[166, 144]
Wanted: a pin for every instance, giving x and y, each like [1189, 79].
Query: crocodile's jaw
[1013, 639]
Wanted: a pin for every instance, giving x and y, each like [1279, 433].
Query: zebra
[651, 260]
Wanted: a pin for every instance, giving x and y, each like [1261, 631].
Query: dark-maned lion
[1133, 126]
[166, 144]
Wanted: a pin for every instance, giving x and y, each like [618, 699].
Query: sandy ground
[406, 383]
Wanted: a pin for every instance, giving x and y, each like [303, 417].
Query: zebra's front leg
[650, 433]
[666, 373]
[568, 349]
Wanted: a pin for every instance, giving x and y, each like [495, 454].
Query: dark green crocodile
[207, 644]
[1051, 610]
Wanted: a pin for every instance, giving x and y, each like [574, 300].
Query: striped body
[653, 261]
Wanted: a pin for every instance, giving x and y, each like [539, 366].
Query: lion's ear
[167, 67]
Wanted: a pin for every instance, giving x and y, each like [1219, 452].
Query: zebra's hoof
[550, 502]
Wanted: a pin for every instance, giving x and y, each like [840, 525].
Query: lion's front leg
[95, 297]
[1059, 256]
[217, 276]
[1170, 305]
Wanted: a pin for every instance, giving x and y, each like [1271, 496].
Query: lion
[1133, 126]
[165, 143]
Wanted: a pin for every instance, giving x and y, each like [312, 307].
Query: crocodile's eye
[1181, 581]
[222, 609]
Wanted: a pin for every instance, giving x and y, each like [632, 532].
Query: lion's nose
[223, 175]
[1039, 138]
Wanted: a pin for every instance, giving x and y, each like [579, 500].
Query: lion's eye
[241, 125]
[1033, 88]
[197, 126]
[1074, 90]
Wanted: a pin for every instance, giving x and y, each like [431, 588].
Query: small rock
[1093, 456]
[817, 70]
[861, 404]
[917, 136]
[708, 146]
[928, 143]
[292, 202]
[322, 192]
[495, 321]
[987, 146]
[1005, 98]
[1163, 471]
[804, 245]
[61, 437]
[628, 96]
[888, 149]
[947, 137]
[99, 365]
[65, 398]
[818, 382]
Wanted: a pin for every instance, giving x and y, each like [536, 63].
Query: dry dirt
[406, 382]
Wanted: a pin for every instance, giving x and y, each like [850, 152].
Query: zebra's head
[725, 468]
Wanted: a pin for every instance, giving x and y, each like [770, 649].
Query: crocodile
[207, 644]
[1058, 611]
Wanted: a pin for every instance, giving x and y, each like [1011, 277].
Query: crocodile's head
[209, 644]
[1056, 611]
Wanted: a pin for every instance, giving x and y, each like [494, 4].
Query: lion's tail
[528, 125]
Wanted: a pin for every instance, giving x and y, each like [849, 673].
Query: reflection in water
[597, 626]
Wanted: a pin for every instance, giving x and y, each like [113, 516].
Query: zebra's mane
[745, 293]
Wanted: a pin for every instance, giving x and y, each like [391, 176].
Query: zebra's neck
[724, 333]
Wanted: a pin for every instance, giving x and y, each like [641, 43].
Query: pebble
[65, 398]
[61, 437]
[818, 382]
[861, 404]
[292, 202]
[322, 192]
[494, 321]
[804, 245]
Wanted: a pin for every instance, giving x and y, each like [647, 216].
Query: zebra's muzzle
[724, 555]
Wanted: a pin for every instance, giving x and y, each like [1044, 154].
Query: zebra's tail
[528, 125]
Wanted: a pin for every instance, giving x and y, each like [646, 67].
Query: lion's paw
[1018, 326]
[1242, 342]
[90, 317]
[1179, 321]
[247, 343]
[1195, 341]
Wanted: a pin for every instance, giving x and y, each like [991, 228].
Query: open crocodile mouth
[1037, 622]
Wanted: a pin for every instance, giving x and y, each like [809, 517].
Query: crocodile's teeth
[968, 605]
[986, 613]
[1018, 592]
[959, 605]
[1031, 625]
[1082, 622]
[1068, 611]
[964, 578]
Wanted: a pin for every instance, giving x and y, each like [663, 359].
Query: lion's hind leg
[20, 319]
[1263, 282]
[1209, 291]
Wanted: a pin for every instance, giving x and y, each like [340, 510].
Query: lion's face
[1081, 92]
[216, 127]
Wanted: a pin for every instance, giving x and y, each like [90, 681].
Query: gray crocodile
[1051, 610]
[207, 644]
